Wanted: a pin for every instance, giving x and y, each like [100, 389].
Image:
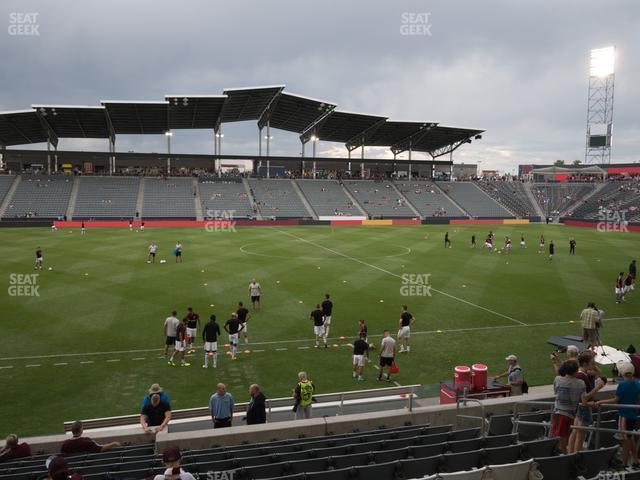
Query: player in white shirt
[254, 293]
[153, 249]
[170, 328]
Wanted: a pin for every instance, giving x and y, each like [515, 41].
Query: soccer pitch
[90, 344]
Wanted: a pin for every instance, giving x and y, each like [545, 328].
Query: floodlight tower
[600, 106]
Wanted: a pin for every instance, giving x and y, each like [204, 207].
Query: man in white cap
[627, 393]
[514, 375]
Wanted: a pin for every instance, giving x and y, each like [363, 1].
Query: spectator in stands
[221, 407]
[13, 449]
[58, 469]
[155, 414]
[80, 444]
[584, 414]
[515, 379]
[569, 392]
[303, 396]
[256, 409]
[171, 458]
[572, 354]
[627, 393]
[590, 320]
[153, 390]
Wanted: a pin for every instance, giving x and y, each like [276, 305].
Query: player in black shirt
[447, 242]
[552, 250]
[572, 246]
[318, 325]
[243, 316]
[327, 308]
[39, 259]
[362, 331]
[193, 322]
[360, 349]
[210, 335]
[404, 333]
[473, 241]
[233, 328]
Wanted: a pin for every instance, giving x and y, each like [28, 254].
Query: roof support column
[3, 150]
[362, 160]
[48, 157]
[168, 134]
[218, 161]
[259, 141]
[349, 163]
[268, 143]
[112, 155]
[55, 159]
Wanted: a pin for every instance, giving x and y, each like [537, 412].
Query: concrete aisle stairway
[197, 200]
[7, 198]
[532, 198]
[73, 198]
[247, 189]
[354, 201]
[305, 202]
[140, 199]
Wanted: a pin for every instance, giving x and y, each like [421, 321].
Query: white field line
[400, 276]
[423, 332]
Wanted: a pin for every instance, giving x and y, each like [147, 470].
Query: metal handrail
[270, 404]
[464, 400]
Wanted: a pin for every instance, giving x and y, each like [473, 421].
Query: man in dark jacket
[256, 410]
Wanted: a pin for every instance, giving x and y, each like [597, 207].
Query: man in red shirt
[12, 449]
[80, 444]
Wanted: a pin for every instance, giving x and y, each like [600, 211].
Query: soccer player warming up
[233, 328]
[360, 348]
[327, 309]
[210, 335]
[318, 325]
[404, 333]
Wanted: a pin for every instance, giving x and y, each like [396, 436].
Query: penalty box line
[453, 297]
[282, 342]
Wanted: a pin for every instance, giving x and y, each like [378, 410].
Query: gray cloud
[517, 69]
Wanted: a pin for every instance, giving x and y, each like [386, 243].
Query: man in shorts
[404, 333]
[210, 335]
[627, 393]
[570, 392]
[387, 354]
[318, 326]
[170, 329]
[39, 259]
[193, 323]
[254, 293]
[153, 249]
[233, 327]
[243, 316]
[584, 415]
[360, 348]
[327, 309]
[180, 345]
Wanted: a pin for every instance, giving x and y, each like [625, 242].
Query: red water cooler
[461, 377]
[479, 374]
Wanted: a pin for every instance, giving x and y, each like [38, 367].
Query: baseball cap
[511, 357]
[626, 368]
[171, 454]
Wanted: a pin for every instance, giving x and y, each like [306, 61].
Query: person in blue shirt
[155, 388]
[221, 407]
[627, 393]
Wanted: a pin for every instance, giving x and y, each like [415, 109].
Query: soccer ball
[163, 261]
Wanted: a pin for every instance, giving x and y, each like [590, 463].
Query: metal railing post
[598, 420]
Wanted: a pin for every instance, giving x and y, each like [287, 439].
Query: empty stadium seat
[220, 197]
[277, 198]
[561, 467]
[40, 196]
[540, 448]
[171, 197]
[473, 200]
[591, 462]
[327, 197]
[511, 471]
[500, 424]
[378, 198]
[428, 199]
[106, 197]
[502, 455]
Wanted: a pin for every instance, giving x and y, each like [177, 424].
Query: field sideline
[89, 344]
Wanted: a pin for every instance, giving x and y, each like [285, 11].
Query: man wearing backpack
[515, 379]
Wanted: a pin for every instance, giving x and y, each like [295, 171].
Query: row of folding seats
[587, 464]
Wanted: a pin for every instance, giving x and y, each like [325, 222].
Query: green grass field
[89, 344]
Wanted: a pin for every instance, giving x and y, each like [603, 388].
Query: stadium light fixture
[220, 135]
[168, 134]
[602, 61]
[314, 138]
[268, 137]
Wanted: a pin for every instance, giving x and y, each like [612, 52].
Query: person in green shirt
[303, 395]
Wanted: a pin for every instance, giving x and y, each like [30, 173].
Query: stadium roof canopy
[340, 126]
[195, 111]
[294, 113]
[270, 106]
[245, 104]
[22, 127]
[75, 121]
[137, 117]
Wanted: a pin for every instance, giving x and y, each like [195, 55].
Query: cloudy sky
[517, 69]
